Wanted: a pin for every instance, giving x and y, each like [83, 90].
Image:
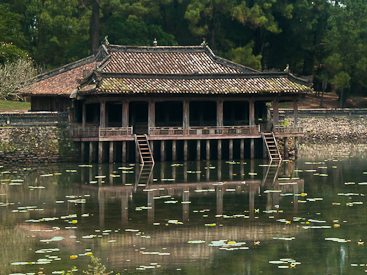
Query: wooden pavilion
[171, 103]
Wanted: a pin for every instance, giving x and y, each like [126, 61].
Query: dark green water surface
[195, 218]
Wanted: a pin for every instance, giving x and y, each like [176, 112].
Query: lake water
[242, 217]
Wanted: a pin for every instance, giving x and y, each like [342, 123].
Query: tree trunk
[95, 26]
[341, 98]
[324, 86]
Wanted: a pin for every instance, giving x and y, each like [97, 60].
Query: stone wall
[333, 128]
[37, 144]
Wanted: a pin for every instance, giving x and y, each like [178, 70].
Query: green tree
[53, 28]
[346, 47]
[244, 56]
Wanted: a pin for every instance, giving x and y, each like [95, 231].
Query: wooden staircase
[146, 172]
[271, 174]
[143, 146]
[271, 146]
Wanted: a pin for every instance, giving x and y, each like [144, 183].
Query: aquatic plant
[95, 268]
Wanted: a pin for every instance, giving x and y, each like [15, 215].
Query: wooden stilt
[185, 150]
[252, 148]
[111, 152]
[137, 156]
[242, 149]
[124, 151]
[82, 151]
[231, 149]
[174, 150]
[91, 153]
[100, 151]
[208, 149]
[163, 150]
[219, 149]
[285, 148]
[198, 149]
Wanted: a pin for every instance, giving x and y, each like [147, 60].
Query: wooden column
[91, 153]
[151, 114]
[100, 151]
[84, 115]
[252, 148]
[285, 148]
[198, 149]
[295, 108]
[186, 114]
[231, 149]
[208, 149]
[102, 118]
[275, 112]
[251, 112]
[152, 147]
[185, 150]
[82, 151]
[111, 152]
[124, 151]
[242, 148]
[174, 150]
[219, 149]
[219, 113]
[163, 150]
[125, 113]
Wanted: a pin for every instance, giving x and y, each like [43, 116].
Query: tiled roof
[60, 84]
[198, 86]
[165, 63]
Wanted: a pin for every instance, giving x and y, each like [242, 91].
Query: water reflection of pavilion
[249, 187]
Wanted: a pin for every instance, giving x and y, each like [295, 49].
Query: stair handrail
[267, 146]
[150, 151]
[137, 145]
[276, 145]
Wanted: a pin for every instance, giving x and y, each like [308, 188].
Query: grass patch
[7, 105]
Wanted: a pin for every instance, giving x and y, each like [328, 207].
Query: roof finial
[106, 40]
[287, 69]
[155, 42]
[203, 43]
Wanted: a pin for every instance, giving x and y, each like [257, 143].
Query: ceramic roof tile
[59, 84]
[199, 86]
[165, 63]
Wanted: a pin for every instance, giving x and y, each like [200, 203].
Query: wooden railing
[287, 130]
[94, 132]
[205, 130]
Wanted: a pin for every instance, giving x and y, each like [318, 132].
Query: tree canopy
[326, 39]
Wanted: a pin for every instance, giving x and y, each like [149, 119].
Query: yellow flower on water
[257, 243]
[73, 257]
[74, 221]
[288, 222]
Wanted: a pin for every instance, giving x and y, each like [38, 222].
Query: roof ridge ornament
[203, 43]
[155, 42]
[106, 41]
